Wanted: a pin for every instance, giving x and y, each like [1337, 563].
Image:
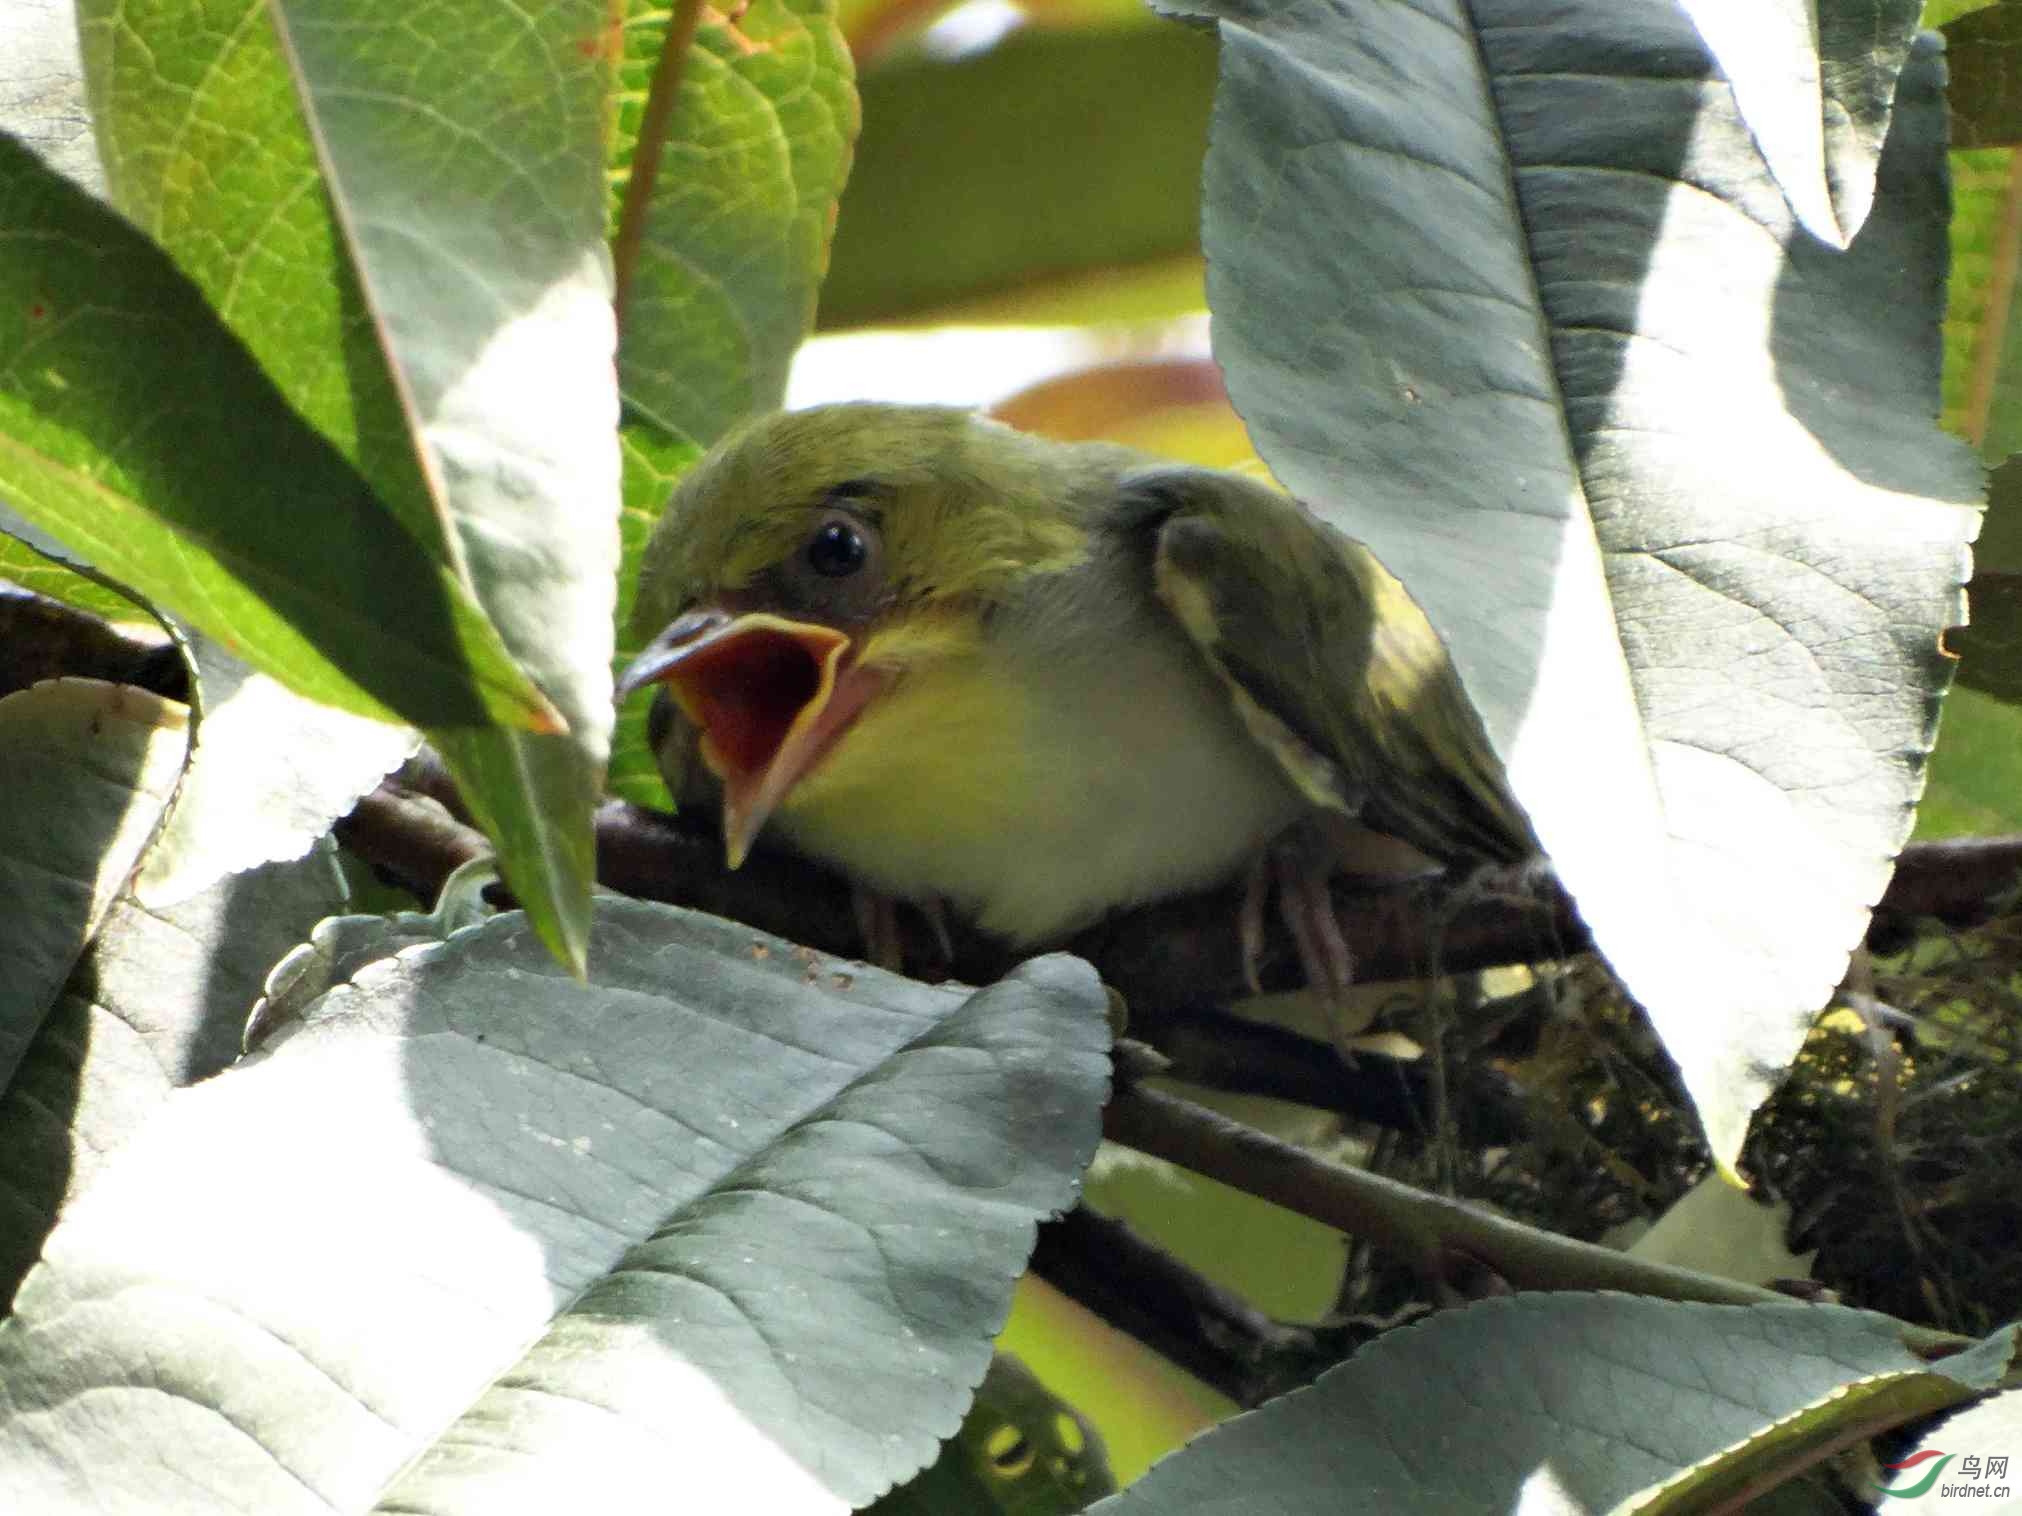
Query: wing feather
[1330, 665]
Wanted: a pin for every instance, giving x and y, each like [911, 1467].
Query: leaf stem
[1992, 339]
[661, 97]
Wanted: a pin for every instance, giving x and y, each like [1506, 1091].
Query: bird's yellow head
[814, 557]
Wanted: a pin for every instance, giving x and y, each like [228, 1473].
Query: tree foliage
[345, 362]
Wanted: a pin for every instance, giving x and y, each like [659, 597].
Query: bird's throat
[747, 689]
[771, 697]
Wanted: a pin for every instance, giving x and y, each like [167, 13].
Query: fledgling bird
[1042, 680]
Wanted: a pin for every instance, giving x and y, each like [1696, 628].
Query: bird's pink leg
[878, 923]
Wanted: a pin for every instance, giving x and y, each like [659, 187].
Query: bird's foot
[878, 921]
[1306, 906]
[1301, 866]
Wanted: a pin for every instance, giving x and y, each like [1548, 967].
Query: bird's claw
[1306, 906]
[878, 923]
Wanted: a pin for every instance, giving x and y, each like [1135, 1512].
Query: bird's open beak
[770, 696]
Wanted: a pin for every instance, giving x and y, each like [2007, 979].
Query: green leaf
[487, 275]
[1287, 1266]
[159, 1002]
[1142, 1404]
[1814, 80]
[728, 1217]
[36, 561]
[1976, 769]
[1718, 1228]
[1942, 13]
[877, 29]
[1135, 294]
[1659, 466]
[125, 409]
[413, 248]
[1052, 154]
[91, 768]
[206, 149]
[1983, 55]
[653, 464]
[720, 258]
[1574, 1402]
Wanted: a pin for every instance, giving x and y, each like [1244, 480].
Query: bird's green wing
[1330, 664]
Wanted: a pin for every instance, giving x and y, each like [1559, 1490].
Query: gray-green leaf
[269, 773]
[1513, 299]
[42, 88]
[1576, 1403]
[729, 1217]
[158, 1002]
[1814, 80]
[91, 768]
[470, 204]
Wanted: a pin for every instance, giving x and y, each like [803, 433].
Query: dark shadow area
[158, 1002]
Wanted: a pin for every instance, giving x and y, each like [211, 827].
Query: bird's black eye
[837, 549]
[837, 572]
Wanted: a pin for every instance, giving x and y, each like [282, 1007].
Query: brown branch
[1439, 1236]
[1961, 881]
[410, 839]
[1180, 956]
[1175, 961]
[1171, 960]
[42, 639]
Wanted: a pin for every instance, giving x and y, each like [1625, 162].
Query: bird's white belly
[1035, 799]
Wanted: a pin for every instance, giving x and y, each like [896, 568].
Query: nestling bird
[1040, 680]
